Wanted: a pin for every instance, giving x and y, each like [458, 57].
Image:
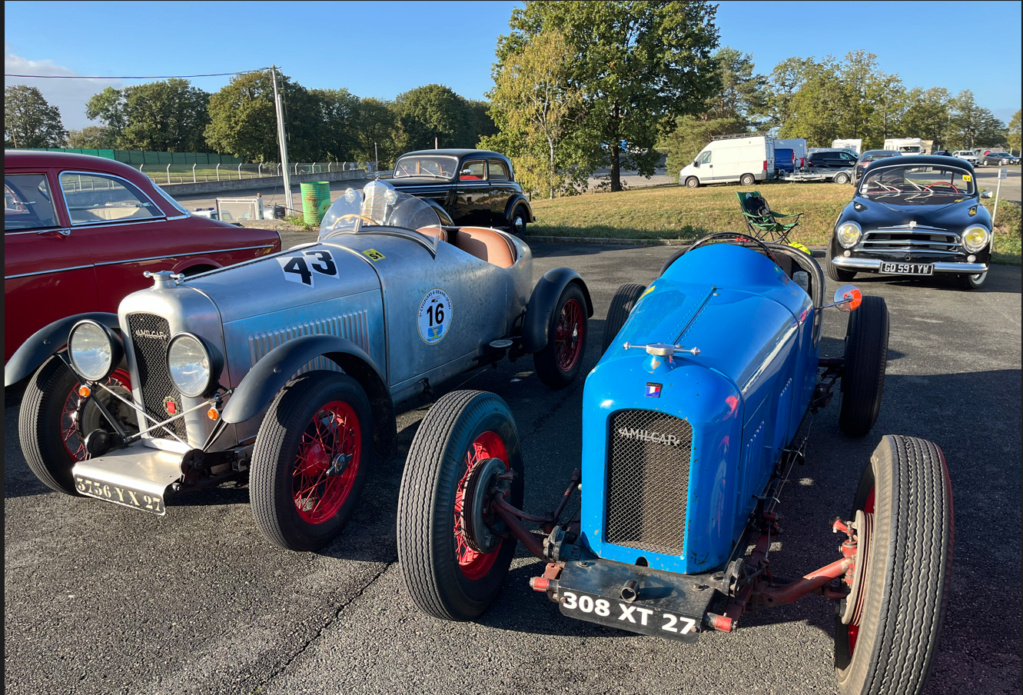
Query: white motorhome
[736, 158]
[905, 145]
[854, 144]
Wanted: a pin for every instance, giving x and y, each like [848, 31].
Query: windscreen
[918, 185]
[429, 166]
[378, 205]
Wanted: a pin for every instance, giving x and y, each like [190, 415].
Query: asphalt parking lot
[103, 599]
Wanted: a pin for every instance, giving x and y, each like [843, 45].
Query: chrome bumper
[874, 264]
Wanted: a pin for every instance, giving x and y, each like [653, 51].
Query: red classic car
[80, 231]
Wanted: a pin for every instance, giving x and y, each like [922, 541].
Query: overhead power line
[133, 77]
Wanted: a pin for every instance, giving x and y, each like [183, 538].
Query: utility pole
[282, 143]
[376, 159]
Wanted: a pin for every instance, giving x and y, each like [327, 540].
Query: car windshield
[430, 166]
[917, 185]
[379, 205]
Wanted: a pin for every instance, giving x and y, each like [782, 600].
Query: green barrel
[315, 201]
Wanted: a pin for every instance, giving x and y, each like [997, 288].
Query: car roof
[456, 153]
[920, 160]
[65, 160]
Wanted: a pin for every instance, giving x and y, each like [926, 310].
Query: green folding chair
[763, 224]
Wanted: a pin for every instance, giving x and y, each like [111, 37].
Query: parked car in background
[942, 153]
[475, 187]
[914, 216]
[740, 158]
[835, 165]
[80, 231]
[868, 157]
[966, 156]
[285, 372]
[998, 159]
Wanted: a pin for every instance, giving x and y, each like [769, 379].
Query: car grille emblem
[912, 224]
[653, 390]
[153, 335]
[170, 405]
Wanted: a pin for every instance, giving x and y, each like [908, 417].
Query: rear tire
[518, 223]
[622, 303]
[834, 272]
[317, 436]
[559, 363]
[866, 354]
[692, 182]
[445, 577]
[747, 179]
[889, 643]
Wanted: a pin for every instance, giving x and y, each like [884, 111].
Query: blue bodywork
[744, 395]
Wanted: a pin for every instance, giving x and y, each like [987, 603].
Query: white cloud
[69, 96]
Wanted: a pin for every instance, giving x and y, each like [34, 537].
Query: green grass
[674, 213]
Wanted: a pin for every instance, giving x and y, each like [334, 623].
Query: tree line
[240, 119]
[578, 87]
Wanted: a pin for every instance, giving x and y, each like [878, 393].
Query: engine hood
[292, 279]
[872, 214]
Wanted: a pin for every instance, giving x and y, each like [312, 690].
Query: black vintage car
[915, 215]
[475, 187]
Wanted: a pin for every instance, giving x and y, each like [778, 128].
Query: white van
[737, 158]
[905, 145]
[854, 144]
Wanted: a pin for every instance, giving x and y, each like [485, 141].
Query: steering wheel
[351, 216]
[941, 183]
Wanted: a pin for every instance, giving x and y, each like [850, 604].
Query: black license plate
[907, 268]
[119, 494]
[628, 616]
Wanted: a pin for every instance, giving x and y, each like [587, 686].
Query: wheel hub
[340, 464]
[853, 607]
[480, 483]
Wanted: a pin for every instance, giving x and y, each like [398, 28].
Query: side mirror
[847, 298]
[696, 163]
[987, 195]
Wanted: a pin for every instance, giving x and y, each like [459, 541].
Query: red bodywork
[56, 268]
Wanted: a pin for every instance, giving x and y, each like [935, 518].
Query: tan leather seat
[436, 232]
[486, 244]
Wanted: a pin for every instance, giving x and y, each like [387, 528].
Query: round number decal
[434, 316]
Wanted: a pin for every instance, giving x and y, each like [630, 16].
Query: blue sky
[380, 49]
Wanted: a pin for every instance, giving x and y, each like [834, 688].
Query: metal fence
[195, 173]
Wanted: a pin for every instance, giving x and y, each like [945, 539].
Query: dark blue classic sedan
[914, 216]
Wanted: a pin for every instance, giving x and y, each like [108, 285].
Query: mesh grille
[150, 337]
[648, 481]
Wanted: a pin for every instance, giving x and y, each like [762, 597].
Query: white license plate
[907, 268]
[633, 617]
[119, 494]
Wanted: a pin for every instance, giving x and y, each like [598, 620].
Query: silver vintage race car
[285, 371]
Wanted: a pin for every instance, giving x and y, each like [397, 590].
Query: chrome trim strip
[46, 272]
[908, 242]
[185, 255]
[939, 267]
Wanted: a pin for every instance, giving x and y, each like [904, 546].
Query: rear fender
[272, 373]
[48, 341]
[544, 301]
[519, 200]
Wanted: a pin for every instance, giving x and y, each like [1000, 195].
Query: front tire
[52, 427]
[747, 180]
[445, 576]
[558, 364]
[866, 354]
[622, 303]
[971, 282]
[890, 637]
[310, 460]
[692, 182]
[834, 272]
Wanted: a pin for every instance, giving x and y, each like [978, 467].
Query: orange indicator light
[84, 391]
[213, 414]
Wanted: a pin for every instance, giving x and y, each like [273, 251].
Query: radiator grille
[904, 239]
[648, 481]
[150, 336]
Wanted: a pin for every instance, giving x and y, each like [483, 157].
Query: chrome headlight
[848, 234]
[192, 368]
[94, 350]
[975, 238]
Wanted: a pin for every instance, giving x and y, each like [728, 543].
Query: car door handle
[63, 232]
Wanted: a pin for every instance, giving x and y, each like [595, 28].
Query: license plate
[907, 268]
[119, 494]
[626, 616]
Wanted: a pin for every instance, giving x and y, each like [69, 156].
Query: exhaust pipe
[629, 591]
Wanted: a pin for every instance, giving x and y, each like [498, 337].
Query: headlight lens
[191, 368]
[848, 234]
[975, 238]
[93, 350]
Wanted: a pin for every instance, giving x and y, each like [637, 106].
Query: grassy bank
[675, 213]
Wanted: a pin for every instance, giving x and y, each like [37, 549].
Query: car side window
[704, 157]
[498, 171]
[473, 171]
[845, 156]
[95, 199]
[28, 203]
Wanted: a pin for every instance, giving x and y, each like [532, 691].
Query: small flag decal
[653, 390]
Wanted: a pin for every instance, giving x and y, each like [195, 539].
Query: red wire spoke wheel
[54, 420]
[887, 628]
[310, 460]
[453, 549]
[559, 362]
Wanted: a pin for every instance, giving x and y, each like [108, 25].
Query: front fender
[515, 201]
[271, 373]
[48, 341]
[544, 301]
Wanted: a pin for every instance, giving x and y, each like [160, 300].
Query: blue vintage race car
[692, 421]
